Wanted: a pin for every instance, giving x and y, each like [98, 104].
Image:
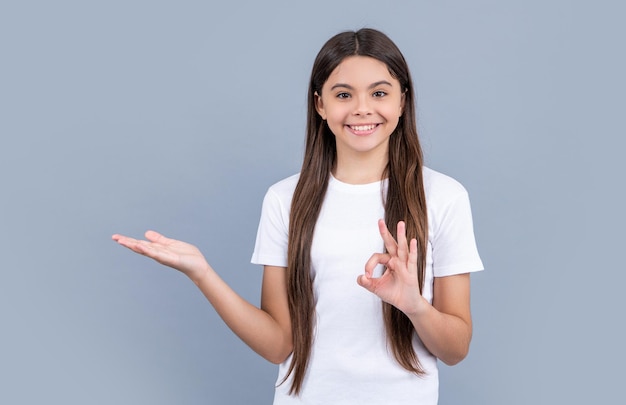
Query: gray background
[121, 116]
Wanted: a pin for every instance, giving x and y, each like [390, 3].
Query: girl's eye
[343, 95]
[379, 93]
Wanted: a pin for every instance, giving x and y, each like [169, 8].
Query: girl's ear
[402, 102]
[319, 106]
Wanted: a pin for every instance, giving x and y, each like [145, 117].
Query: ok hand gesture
[398, 285]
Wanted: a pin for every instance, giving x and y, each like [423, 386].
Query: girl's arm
[267, 330]
[445, 327]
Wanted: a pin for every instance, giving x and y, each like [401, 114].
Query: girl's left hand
[398, 285]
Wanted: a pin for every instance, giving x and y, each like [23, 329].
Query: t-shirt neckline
[356, 188]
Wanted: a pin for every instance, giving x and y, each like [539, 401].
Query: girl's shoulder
[282, 190]
[441, 188]
[286, 185]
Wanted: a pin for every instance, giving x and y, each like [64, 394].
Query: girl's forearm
[446, 336]
[254, 326]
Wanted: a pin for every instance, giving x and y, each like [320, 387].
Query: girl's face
[362, 104]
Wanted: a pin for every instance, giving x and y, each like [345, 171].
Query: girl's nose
[362, 106]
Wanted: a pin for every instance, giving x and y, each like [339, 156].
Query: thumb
[364, 281]
[154, 236]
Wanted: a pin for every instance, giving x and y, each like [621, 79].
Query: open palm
[179, 255]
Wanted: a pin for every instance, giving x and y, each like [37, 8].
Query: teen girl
[354, 308]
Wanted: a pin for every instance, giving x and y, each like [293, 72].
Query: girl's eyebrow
[371, 86]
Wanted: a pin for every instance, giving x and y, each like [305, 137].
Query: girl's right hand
[267, 330]
[179, 255]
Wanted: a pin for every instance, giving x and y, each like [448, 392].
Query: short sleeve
[272, 235]
[453, 241]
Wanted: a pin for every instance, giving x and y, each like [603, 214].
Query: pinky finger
[413, 252]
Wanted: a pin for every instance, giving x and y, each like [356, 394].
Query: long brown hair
[404, 200]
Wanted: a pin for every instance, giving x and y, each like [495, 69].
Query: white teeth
[363, 127]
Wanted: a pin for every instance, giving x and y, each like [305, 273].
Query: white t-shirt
[350, 362]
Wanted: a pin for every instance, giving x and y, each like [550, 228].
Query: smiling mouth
[363, 128]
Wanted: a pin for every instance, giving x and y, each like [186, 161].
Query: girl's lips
[363, 129]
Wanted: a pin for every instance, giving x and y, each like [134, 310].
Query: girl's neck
[359, 171]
